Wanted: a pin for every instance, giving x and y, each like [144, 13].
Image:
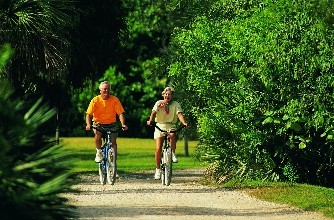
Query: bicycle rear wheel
[111, 167]
[162, 172]
[168, 166]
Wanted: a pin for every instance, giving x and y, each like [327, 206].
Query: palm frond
[35, 172]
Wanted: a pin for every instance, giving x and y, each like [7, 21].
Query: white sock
[98, 150]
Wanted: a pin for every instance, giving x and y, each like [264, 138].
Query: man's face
[167, 96]
[105, 91]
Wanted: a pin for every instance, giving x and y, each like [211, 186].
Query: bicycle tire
[111, 168]
[102, 174]
[168, 166]
[162, 167]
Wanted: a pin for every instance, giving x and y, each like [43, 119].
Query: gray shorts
[112, 125]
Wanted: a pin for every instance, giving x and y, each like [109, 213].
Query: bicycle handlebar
[170, 131]
[106, 130]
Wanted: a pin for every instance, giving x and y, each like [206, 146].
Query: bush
[259, 77]
[34, 170]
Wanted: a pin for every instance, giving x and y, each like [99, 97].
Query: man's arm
[88, 121]
[122, 120]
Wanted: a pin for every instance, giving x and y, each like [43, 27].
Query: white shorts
[166, 127]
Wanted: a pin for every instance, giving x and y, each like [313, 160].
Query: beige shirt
[166, 115]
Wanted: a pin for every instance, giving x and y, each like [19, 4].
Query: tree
[39, 32]
[34, 170]
[259, 79]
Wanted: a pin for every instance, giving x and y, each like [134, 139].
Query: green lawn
[306, 197]
[133, 154]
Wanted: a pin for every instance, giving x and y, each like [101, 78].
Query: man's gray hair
[102, 83]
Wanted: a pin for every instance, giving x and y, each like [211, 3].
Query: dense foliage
[39, 32]
[260, 80]
[34, 171]
[256, 76]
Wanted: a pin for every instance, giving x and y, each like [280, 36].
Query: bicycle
[166, 155]
[107, 167]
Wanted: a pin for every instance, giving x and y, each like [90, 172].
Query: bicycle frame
[166, 155]
[107, 167]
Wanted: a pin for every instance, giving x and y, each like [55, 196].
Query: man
[102, 110]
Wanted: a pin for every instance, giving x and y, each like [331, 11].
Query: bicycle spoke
[111, 168]
[168, 166]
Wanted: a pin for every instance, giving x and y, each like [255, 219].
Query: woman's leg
[173, 141]
[158, 147]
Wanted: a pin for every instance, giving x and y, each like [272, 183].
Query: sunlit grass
[306, 197]
[133, 154]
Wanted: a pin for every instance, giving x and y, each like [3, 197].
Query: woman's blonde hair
[168, 88]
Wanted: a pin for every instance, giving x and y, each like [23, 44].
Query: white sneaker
[157, 175]
[98, 157]
[174, 159]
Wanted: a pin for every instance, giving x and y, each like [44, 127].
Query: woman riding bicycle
[166, 114]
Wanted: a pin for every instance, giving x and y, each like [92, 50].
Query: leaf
[277, 120]
[269, 113]
[302, 145]
[330, 137]
[268, 120]
[294, 126]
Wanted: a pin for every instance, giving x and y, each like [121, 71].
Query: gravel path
[139, 196]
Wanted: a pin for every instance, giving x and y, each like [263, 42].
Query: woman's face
[167, 96]
[105, 91]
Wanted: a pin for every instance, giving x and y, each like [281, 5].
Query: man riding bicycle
[102, 110]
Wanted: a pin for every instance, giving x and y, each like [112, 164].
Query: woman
[166, 114]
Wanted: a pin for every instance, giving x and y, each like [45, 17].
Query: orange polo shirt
[104, 111]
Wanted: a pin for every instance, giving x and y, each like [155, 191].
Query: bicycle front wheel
[168, 166]
[111, 167]
[102, 174]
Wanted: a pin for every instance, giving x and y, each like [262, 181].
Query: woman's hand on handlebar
[88, 127]
[150, 123]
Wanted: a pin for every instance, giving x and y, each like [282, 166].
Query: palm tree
[39, 31]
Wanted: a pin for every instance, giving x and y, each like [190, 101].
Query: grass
[303, 196]
[306, 197]
[133, 154]
[136, 155]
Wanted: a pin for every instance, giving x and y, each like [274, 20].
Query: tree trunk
[186, 148]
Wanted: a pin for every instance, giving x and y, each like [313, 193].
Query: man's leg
[114, 145]
[98, 144]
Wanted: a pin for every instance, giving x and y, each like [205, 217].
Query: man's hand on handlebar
[124, 127]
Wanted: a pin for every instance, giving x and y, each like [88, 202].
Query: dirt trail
[139, 196]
